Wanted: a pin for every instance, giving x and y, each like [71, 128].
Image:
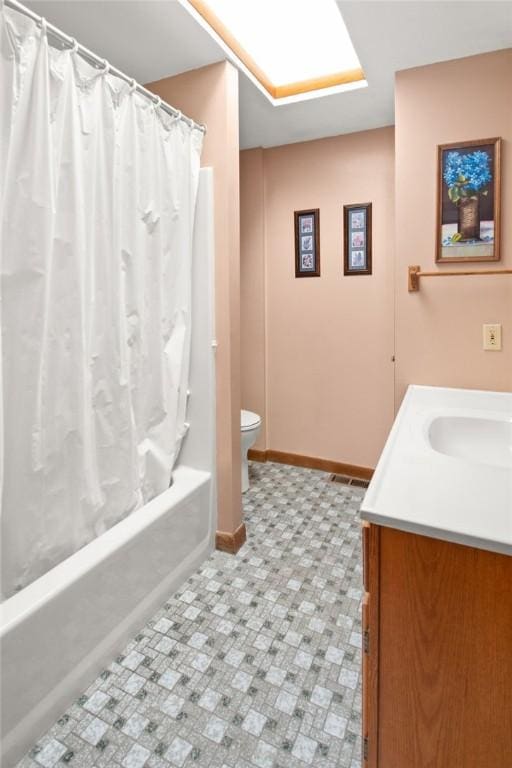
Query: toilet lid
[249, 419]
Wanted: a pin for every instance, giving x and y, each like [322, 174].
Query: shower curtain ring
[43, 25]
[106, 66]
[157, 102]
[133, 86]
[74, 45]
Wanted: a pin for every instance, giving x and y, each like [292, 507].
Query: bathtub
[59, 632]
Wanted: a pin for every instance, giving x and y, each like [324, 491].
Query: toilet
[250, 424]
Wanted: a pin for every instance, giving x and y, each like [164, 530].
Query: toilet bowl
[250, 424]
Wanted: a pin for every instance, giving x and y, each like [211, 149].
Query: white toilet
[250, 424]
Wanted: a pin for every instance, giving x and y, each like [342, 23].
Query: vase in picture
[469, 218]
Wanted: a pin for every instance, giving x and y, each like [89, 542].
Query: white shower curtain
[97, 200]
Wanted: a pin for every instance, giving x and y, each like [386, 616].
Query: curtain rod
[103, 63]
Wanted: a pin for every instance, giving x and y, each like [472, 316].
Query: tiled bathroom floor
[254, 663]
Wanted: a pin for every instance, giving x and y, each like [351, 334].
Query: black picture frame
[307, 243]
[357, 239]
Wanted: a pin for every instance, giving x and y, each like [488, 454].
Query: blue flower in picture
[466, 174]
[452, 168]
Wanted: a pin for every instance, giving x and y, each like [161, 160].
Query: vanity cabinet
[437, 653]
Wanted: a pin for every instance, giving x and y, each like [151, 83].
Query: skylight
[290, 46]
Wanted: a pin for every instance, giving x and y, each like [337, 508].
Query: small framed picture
[468, 201]
[357, 220]
[356, 259]
[307, 261]
[357, 240]
[306, 225]
[307, 243]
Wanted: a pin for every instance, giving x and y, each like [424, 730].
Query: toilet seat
[249, 420]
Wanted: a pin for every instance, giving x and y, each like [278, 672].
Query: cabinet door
[445, 654]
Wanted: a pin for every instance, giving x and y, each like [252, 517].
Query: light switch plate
[492, 336]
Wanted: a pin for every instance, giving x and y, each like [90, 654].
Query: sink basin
[446, 468]
[475, 439]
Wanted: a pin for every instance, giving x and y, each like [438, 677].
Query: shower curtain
[97, 199]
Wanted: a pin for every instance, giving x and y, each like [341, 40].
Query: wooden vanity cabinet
[437, 653]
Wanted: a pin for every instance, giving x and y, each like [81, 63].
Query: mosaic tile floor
[254, 663]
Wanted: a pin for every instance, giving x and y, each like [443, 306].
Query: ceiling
[152, 39]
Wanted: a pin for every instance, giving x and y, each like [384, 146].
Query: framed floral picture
[357, 228]
[468, 201]
[307, 243]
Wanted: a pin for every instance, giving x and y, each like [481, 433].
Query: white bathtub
[58, 633]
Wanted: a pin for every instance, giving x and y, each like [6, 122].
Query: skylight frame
[333, 82]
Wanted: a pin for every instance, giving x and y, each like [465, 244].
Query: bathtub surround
[210, 96]
[293, 331]
[439, 329]
[255, 661]
[95, 351]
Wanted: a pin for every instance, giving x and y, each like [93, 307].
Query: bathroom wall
[317, 352]
[252, 287]
[439, 329]
[210, 96]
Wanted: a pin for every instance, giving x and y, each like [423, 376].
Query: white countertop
[461, 489]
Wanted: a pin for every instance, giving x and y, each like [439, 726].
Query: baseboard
[312, 462]
[255, 454]
[231, 542]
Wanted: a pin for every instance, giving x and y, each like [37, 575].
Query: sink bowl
[475, 439]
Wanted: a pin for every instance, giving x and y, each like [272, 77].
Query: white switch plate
[492, 336]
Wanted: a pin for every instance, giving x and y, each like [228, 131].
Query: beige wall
[439, 330]
[210, 96]
[252, 287]
[316, 352]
